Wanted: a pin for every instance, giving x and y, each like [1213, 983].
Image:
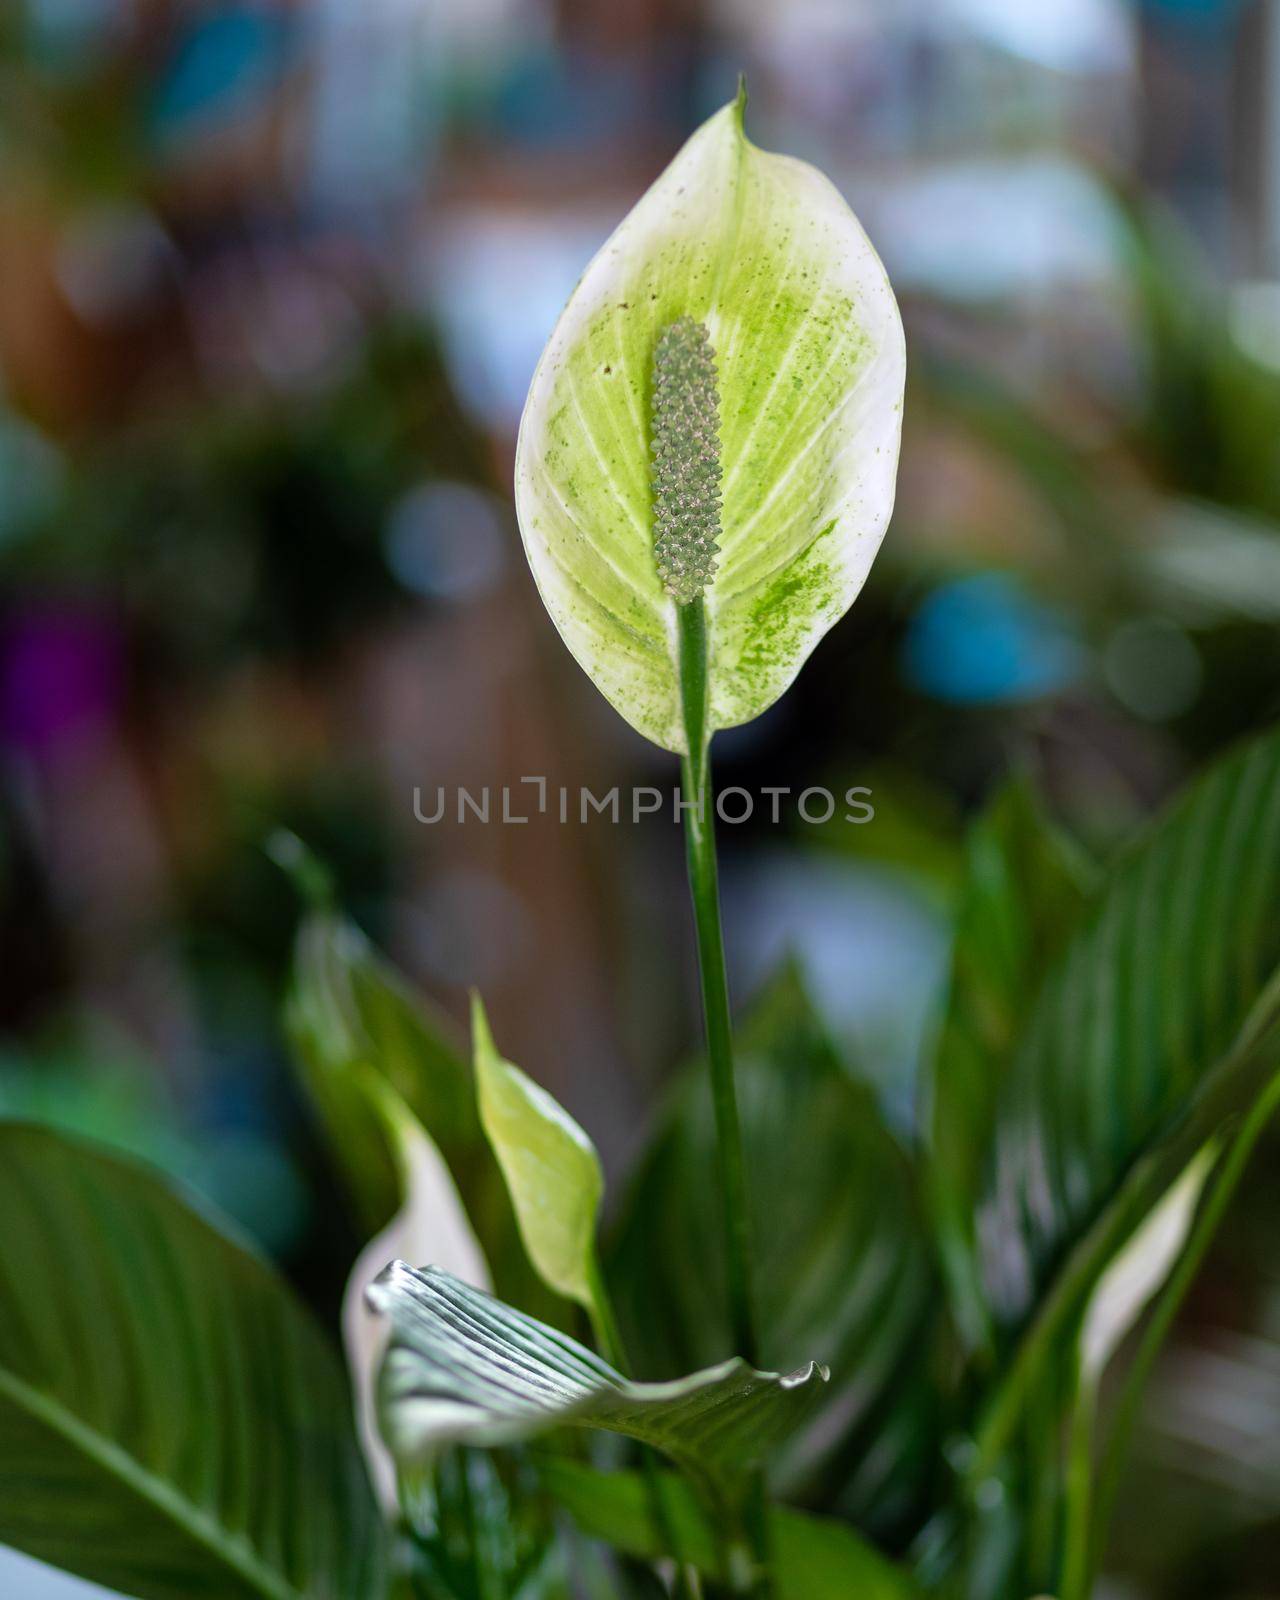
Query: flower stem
[704, 889]
[700, 849]
[604, 1323]
[1076, 1579]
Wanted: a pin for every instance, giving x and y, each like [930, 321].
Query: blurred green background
[273, 279]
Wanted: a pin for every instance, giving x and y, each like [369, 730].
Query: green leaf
[463, 1368]
[761, 252]
[172, 1424]
[814, 1558]
[1022, 892]
[482, 1529]
[1155, 1032]
[551, 1167]
[350, 1014]
[1035, 1518]
[1136, 1050]
[844, 1269]
[1040, 1533]
[1218, 1190]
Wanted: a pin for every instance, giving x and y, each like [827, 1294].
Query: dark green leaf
[1156, 1031]
[1021, 894]
[1138, 1022]
[350, 1012]
[172, 1424]
[461, 1367]
[482, 1530]
[844, 1269]
[814, 1558]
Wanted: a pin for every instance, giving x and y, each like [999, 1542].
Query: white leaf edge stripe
[431, 1225]
[627, 664]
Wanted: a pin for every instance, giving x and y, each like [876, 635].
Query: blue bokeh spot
[983, 640]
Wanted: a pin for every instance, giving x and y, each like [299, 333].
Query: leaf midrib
[231, 1549]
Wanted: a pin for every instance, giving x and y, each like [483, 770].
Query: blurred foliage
[230, 533]
[844, 1271]
[257, 525]
[348, 1013]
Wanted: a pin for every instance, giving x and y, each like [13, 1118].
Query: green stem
[700, 849]
[604, 1323]
[1077, 1562]
[1042, 1444]
[608, 1337]
[704, 888]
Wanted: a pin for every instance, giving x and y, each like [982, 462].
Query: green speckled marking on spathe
[780, 617]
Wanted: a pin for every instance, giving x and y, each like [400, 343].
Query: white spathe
[762, 250]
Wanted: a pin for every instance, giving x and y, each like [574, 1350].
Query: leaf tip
[482, 1044]
[378, 1295]
[311, 879]
[805, 1375]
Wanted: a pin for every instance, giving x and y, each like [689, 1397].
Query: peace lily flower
[704, 473]
[713, 428]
